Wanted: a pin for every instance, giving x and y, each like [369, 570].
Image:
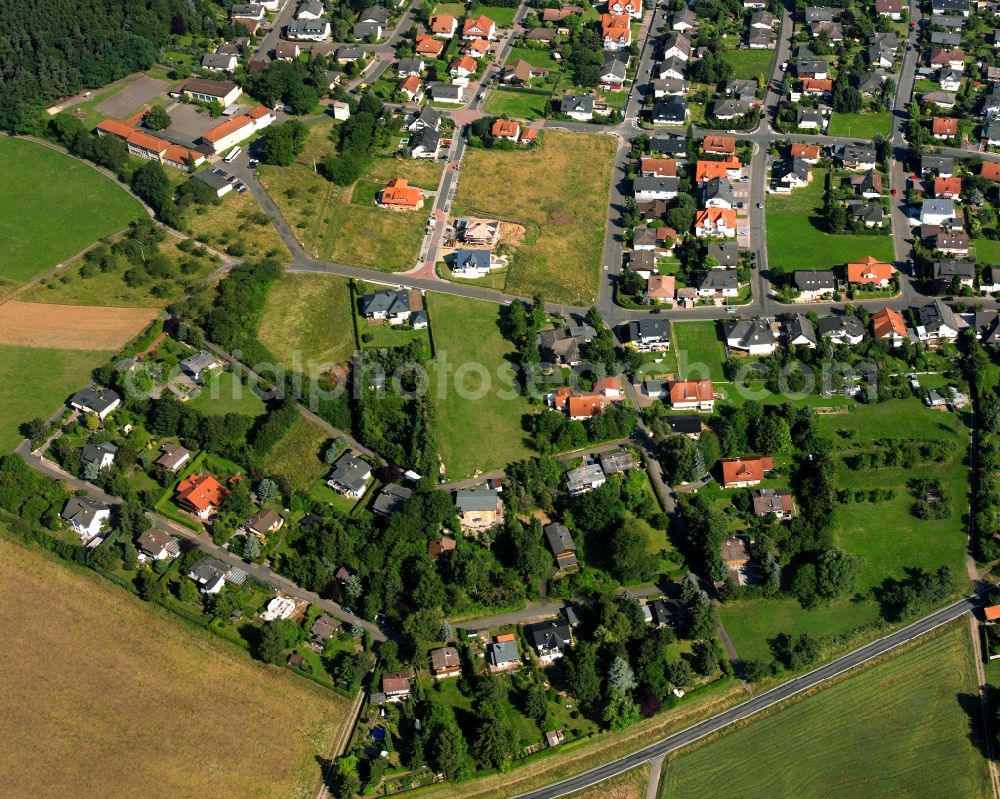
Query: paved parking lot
[188, 122]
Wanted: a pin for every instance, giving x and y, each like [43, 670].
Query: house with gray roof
[549, 639]
[198, 364]
[845, 329]
[577, 106]
[96, 400]
[350, 476]
[718, 193]
[391, 499]
[86, 516]
[751, 336]
[937, 322]
[584, 478]
[710, 282]
[393, 306]
[562, 545]
[425, 143]
[102, 456]
[799, 332]
[812, 284]
[502, 654]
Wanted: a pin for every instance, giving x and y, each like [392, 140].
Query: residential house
[463, 66]
[481, 27]
[478, 508]
[101, 456]
[616, 31]
[990, 170]
[888, 325]
[219, 62]
[751, 336]
[947, 272]
[396, 686]
[814, 284]
[893, 9]
[717, 222]
[869, 272]
[845, 329]
[857, 157]
[944, 127]
[660, 287]
[943, 165]
[946, 39]
[948, 188]
[447, 93]
[264, 522]
[560, 14]
[745, 472]
[868, 184]
[950, 80]
[209, 575]
[617, 462]
[707, 170]
[309, 30]
[834, 31]
[426, 117]
[717, 282]
[562, 545]
[98, 401]
[173, 457]
[254, 11]
[818, 14]
[613, 72]
[443, 25]
[157, 545]
[547, 35]
[941, 57]
[649, 188]
[310, 9]
[692, 395]
[718, 193]
[391, 499]
[990, 282]
[549, 639]
[685, 425]
[727, 256]
[719, 145]
[473, 263]
[411, 88]
[369, 30]
[870, 83]
[410, 67]
[398, 194]
[442, 545]
[937, 212]
[951, 242]
[730, 109]
[676, 45]
[944, 101]
[577, 106]
[502, 653]
[799, 332]
[671, 110]
[813, 68]
[870, 214]
[767, 501]
[669, 145]
[425, 45]
[519, 73]
[349, 54]
[387, 304]
[287, 51]
[322, 630]
[882, 49]
[648, 334]
[814, 87]
[810, 119]
[86, 516]
[631, 7]
[445, 663]
[584, 478]
[937, 322]
[201, 495]
[561, 347]
[657, 167]
[350, 476]
[197, 365]
[793, 172]
[670, 87]
[684, 21]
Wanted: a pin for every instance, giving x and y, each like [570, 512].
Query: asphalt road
[758, 703]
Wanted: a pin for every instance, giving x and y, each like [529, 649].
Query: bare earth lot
[30, 324]
[132, 97]
[127, 702]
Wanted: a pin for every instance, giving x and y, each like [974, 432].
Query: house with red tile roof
[443, 25]
[658, 167]
[463, 66]
[428, 45]
[661, 287]
[616, 31]
[869, 272]
[743, 472]
[948, 188]
[399, 194]
[506, 129]
[201, 495]
[944, 127]
[715, 222]
[888, 325]
[721, 145]
[810, 153]
[481, 27]
[990, 170]
[704, 171]
[692, 395]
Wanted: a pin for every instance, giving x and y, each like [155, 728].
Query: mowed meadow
[51, 207]
[105, 696]
[906, 727]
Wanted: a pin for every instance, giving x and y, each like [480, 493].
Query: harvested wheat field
[105, 696]
[70, 327]
[630, 785]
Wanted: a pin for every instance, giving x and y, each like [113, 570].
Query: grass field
[69, 287]
[307, 321]
[226, 394]
[331, 227]
[902, 728]
[152, 686]
[987, 251]
[297, 455]
[238, 221]
[474, 433]
[517, 103]
[886, 536]
[860, 126]
[565, 214]
[35, 382]
[795, 240]
[69, 206]
[697, 344]
[630, 785]
[503, 16]
[749, 64]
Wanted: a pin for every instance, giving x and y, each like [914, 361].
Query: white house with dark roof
[86, 516]
[99, 401]
[350, 476]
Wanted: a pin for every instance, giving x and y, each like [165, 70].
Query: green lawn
[902, 728]
[35, 382]
[795, 239]
[365, 192]
[860, 126]
[383, 335]
[474, 432]
[52, 206]
[226, 394]
[537, 58]
[750, 64]
[307, 321]
[885, 535]
[698, 345]
[987, 251]
[501, 15]
[517, 103]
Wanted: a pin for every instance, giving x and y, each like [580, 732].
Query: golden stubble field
[80, 327]
[105, 697]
